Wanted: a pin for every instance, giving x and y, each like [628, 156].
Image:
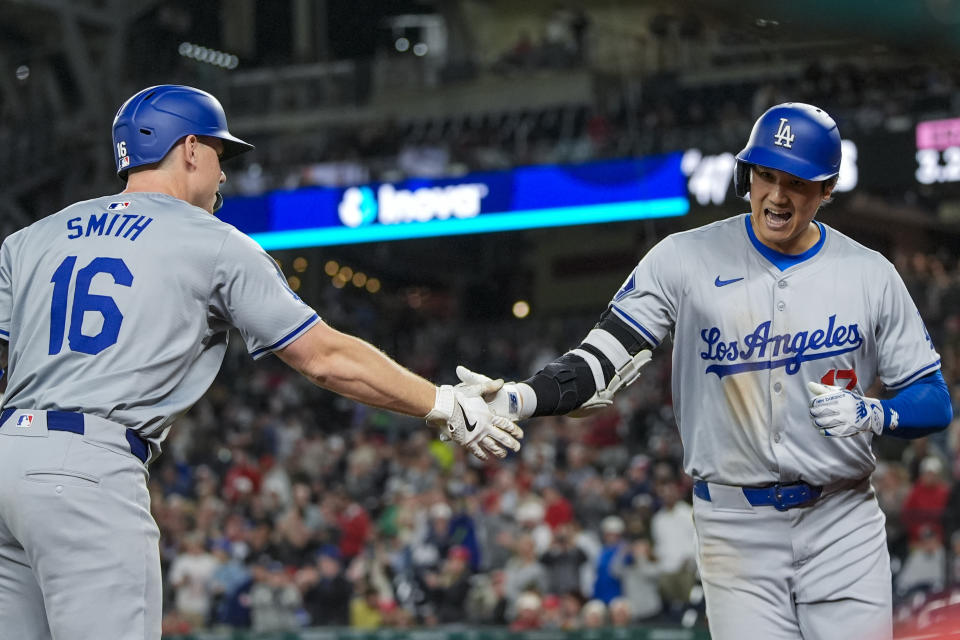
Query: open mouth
[776, 219]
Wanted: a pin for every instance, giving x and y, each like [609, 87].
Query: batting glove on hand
[502, 399]
[463, 416]
[839, 413]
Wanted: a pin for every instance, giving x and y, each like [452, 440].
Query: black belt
[73, 422]
[779, 496]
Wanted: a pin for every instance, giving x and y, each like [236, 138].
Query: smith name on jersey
[119, 225]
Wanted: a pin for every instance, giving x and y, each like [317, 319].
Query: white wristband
[528, 400]
[443, 405]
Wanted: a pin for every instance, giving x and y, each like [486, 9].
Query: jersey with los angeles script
[133, 325]
[751, 326]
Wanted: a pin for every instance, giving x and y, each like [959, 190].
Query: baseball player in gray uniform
[116, 312]
[779, 325]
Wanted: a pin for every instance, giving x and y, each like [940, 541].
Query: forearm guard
[586, 378]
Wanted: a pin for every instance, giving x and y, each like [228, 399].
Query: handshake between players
[461, 414]
[481, 413]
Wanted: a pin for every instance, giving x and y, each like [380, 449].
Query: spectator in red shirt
[352, 520]
[559, 511]
[242, 478]
[926, 501]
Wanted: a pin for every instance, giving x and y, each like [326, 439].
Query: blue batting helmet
[797, 138]
[152, 121]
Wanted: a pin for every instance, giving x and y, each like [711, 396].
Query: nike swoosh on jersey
[470, 425]
[723, 283]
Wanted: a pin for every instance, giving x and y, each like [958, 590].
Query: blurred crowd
[283, 506]
[667, 115]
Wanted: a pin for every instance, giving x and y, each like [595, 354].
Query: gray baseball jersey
[134, 322]
[752, 326]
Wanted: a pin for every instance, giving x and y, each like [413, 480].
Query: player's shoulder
[14, 238]
[38, 227]
[52, 219]
[719, 231]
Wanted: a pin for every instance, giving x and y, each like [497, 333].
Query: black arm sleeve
[632, 341]
[562, 386]
[567, 382]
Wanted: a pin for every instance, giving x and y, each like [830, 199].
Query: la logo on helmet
[784, 137]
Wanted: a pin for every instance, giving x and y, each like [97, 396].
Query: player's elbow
[946, 414]
[941, 405]
[314, 354]
[923, 408]
[937, 422]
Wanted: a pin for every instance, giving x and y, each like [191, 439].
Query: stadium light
[209, 56]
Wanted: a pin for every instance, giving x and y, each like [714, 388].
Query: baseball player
[116, 312]
[779, 324]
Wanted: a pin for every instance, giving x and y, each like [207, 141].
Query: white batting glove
[461, 413]
[839, 413]
[488, 386]
[502, 399]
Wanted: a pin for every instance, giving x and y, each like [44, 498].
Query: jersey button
[781, 305]
[776, 438]
[782, 284]
[777, 387]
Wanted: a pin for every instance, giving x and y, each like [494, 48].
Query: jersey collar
[783, 261]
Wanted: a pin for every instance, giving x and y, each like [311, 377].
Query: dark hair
[829, 183]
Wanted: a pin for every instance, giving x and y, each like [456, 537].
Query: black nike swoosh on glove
[470, 425]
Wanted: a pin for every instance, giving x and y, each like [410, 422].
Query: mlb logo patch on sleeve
[25, 420]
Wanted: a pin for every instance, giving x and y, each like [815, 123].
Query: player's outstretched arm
[578, 382]
[922, 408]
[355, 369]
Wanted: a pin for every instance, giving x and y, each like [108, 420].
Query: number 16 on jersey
[85, 302]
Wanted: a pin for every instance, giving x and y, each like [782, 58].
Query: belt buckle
[796, 494]
[778, 496]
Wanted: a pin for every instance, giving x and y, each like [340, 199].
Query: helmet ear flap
[741, 178]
